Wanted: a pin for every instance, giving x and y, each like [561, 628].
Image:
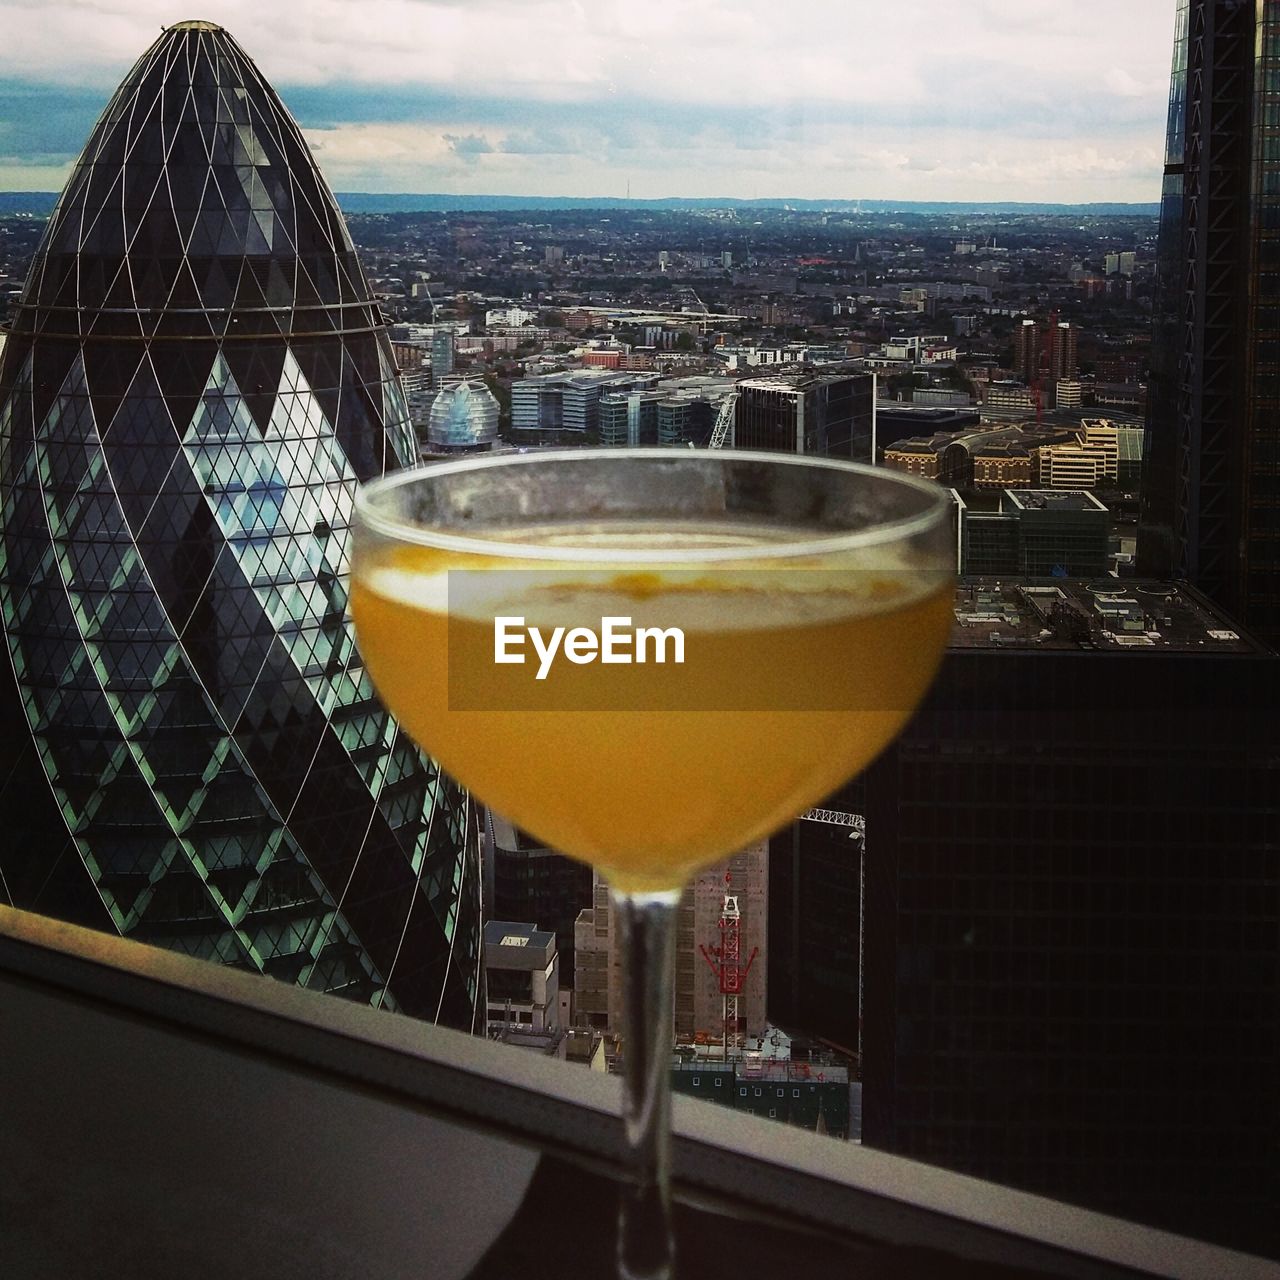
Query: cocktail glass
[812, 601]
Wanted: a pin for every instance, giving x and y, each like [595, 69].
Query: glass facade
[196, 381]
[824, 414]
[1071, 973]
[463, 418]
[629, 418]
[1069, 908]
[1211, 488]
[1069, 976]
[1260, 586]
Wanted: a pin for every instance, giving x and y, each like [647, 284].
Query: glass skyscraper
[196, 380]
[1211, 483]
[1069, 910]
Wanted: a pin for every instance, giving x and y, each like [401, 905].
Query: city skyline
[684, 101]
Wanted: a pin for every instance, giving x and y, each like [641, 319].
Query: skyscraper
[1211, 482]
[1070, 905]
[196, 380]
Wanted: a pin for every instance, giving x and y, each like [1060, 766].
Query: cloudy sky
[1045, 100]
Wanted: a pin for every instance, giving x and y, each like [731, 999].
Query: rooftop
[508, 934]
[1054, 500]
[797, 380]
[987, 438]
[1101, 615]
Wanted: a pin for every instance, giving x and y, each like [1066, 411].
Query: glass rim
[402, 530]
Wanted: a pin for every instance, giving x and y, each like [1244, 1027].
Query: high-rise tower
[196, 380]
[1211, 482]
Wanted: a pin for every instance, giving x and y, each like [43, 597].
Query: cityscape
[1037, 941]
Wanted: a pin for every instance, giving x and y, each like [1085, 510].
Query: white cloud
[741, 89]
[697, 50]
[827, 163]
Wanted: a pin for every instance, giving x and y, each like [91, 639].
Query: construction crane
[838, 818]
[725, 960]
[702, 306]
[723, 428]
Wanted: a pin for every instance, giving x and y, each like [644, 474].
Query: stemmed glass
[649, 659]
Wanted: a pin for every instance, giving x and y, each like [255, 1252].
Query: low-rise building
[569, 401]
[1089, 461]
[1002, 465]
[522, 978]
[1009, 395]
[1036, 533]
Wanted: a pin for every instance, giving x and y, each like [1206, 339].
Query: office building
[815, 922]
[675, 411]
[828, 414]
[1036, 533]
[463, 418]
[803, 1094]
[443, 346]
[1090, 460]
[629, 419]
[1129, 457]
[522, 978]
[1071, 909]
[686, 419]
[196, 380]
[1005, 395]
[1068, 393]
[569, 402]
[1211, 486]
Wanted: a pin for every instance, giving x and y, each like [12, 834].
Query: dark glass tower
[196, 380]
[1071, 908]
[1211, 483]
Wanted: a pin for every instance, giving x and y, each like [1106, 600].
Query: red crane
[725, 960]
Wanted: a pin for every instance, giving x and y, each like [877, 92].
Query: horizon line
[832, 201]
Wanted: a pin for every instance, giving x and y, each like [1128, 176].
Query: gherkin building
[195, 381]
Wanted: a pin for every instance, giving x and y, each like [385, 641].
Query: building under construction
[721, 962]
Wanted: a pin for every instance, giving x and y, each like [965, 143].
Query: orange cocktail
[793, 678]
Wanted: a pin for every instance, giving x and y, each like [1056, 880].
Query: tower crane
[722, 430]
[725, 959]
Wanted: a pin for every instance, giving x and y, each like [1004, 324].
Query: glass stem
[647, 936]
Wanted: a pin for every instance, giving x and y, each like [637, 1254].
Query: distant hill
[365, 202]
[41, 203]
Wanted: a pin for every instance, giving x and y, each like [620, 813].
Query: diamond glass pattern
[196, 380]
